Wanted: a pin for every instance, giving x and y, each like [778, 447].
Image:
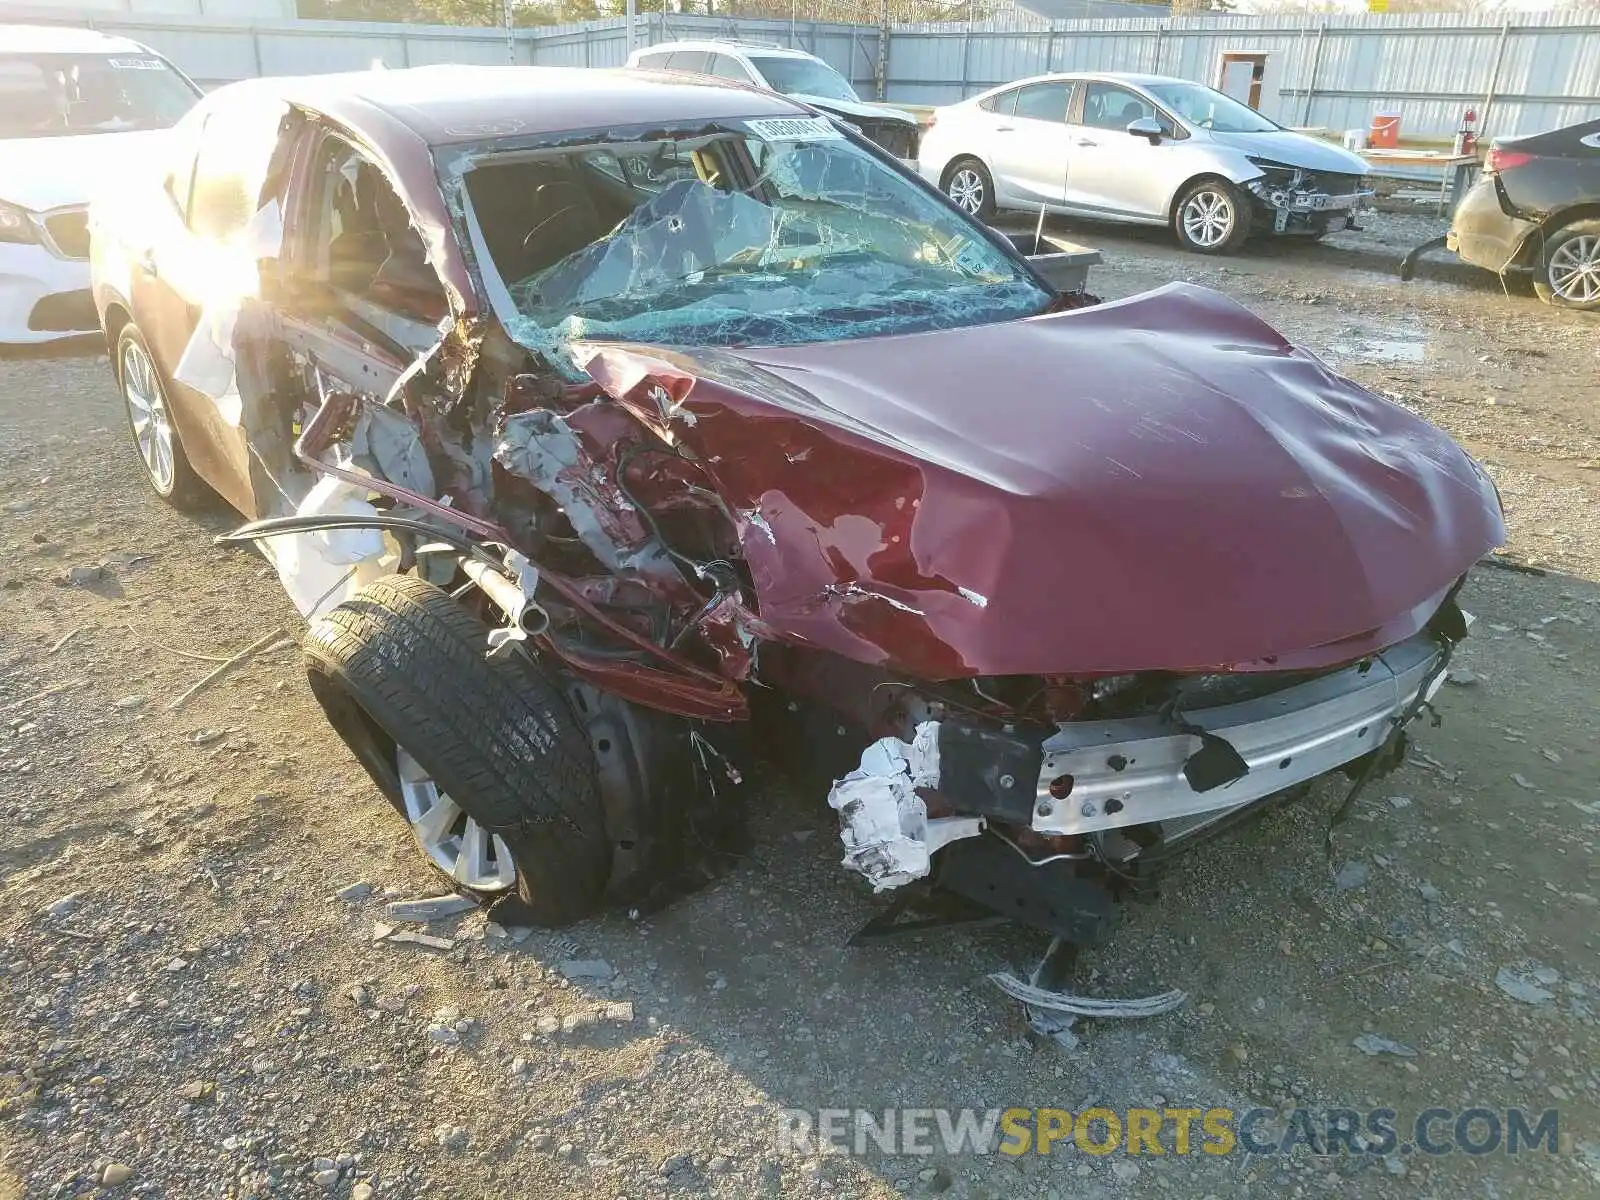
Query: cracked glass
[780, 233]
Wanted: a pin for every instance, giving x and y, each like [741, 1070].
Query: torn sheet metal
[389, 444]
[1051, 467]
[542, 448]
[883, 822]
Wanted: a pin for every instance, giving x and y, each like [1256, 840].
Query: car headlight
[15, 224]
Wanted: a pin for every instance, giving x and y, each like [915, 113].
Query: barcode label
[794, 129]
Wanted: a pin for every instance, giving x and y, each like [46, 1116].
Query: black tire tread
[496, 734]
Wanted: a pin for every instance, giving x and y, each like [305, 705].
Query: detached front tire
[483, 758]
[1212, 217]
[1568, 276]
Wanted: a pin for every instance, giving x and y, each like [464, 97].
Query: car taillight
[1503, 160]
[929, 120]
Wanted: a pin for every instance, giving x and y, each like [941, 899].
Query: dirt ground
[190, 1009]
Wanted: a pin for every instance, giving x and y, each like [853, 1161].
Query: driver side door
[1116, 172]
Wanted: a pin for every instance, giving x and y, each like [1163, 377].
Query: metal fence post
[880, 68]
[1494, 81]
[1311, 80]
[255, 51]
[966, 50]
[1050, 48]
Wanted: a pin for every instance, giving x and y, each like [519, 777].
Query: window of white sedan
[1043, 101]
[1208, 108]
[54, 95]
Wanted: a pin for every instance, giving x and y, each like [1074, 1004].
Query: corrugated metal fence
[1529, 72]
[1532, 71]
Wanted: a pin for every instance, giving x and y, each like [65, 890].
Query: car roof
[62, 39]
[751, 49]
[451, 104]
[1135, 78]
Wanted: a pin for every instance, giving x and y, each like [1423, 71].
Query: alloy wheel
[1574, 269]
[1208, 219]
[147, 410]
[966, 190]
[455, 842]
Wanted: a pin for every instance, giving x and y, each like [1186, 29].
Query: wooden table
[1459, 170]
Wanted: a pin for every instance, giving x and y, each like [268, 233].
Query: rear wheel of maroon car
[1211, 217]
[482, 757]
[144, 396]
[1569, 274]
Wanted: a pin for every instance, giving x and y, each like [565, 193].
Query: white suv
[77, 110]
[792, 73]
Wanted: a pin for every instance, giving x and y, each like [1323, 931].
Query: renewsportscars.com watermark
[1178, 1131]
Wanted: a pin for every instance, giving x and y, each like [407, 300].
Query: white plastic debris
[883, 823]
[1086, 1006]
[322, 569]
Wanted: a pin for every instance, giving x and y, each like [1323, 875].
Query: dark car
[1536, 210]
[614, 432]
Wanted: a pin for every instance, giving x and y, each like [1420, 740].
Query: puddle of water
[1382, 350]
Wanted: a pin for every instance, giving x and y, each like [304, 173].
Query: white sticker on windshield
[138, 64]
[793, 129]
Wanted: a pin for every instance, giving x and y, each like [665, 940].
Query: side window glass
[1108, 107]
[688, 60]
[236, 151]
[654, 61]
[366, 248]
[1004, 103]
[1043, 101]
[725, 67]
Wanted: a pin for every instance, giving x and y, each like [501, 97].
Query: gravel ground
[197, 1005]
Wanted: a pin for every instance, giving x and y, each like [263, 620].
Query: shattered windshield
[780, 233]
[802, 77]
[49, 95]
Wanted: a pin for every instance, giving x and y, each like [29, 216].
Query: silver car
[1141, 148]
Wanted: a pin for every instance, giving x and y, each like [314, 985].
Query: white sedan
[76, 109]
[1140, 148]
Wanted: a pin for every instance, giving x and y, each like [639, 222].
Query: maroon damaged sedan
[615, 431]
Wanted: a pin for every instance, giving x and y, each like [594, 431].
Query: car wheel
[1569, 276]
[969, 187]
[1212, 217]
[144, 396]
[482, 757]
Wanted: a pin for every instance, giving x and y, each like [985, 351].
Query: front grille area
[898, 139]
[70, 232]
[65, 312]
[1334, 185]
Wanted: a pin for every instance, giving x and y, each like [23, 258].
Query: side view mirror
[1146, 127]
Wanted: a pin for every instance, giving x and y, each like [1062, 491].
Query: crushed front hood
[1162, 483]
